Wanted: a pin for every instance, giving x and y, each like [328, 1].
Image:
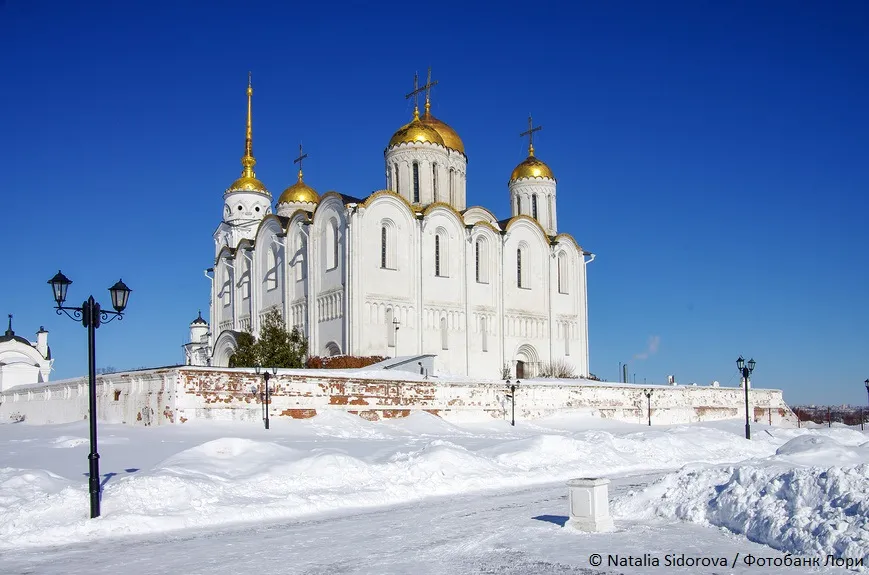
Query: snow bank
[800, 500]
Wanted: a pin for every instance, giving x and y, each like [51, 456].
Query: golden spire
[298, 160]
[248, 161]
[530, 133]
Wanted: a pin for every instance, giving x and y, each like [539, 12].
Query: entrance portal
[520, 369]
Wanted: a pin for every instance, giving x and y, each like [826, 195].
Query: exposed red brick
[299, 413]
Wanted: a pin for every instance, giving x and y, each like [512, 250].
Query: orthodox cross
[417, 89]
[530, 133]
[428, 86]
[300, 158]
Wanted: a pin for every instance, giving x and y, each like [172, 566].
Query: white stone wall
[176, 395]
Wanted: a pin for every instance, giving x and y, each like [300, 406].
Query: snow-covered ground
[340, 494]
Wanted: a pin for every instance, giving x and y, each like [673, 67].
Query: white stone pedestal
[589, 505]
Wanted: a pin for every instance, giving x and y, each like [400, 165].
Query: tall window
[562, 273]
[519, 267]
[395, 178]
[534, 206]
[415, 182]
[445, 343]
[331, 233]
[452, 185]
[518, 205]
[483, 330]
[477, 254]
[481, 261]
[383, 261]
[438, 255]
[434, 180]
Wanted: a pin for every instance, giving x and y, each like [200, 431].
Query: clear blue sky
[715, 155]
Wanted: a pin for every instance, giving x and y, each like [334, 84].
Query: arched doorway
[526, 361]
[520, 369]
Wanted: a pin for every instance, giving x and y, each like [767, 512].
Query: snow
[802, 491]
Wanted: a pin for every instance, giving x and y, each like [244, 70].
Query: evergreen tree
[277, 347]
[246, 354]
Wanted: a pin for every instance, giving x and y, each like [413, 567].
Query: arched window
[562, 273]
[534, 206]
[300, 260]
[434, 180]
[383, 247]
[483, 330]
[271, 279]
[437, 254]
[245, 280]
[416, 182]
[395, 178]
[452, 185]
[518, 205]
[445, 336]
[331, 244]
[519, 270]
[481, 259]
[390, 328]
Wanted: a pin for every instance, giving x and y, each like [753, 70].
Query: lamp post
[91, 316]
[746, 370]
[267, 375]
[512, 395]
[648, 394]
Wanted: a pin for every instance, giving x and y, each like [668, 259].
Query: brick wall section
[176, 395]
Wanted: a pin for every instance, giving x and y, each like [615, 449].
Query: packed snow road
[511, 532]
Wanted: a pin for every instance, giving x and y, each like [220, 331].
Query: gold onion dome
[248, 182]
[531, 167]
[416, 131]
[450, 137]
[299, 192]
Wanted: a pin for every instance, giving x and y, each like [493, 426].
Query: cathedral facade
[407, 270]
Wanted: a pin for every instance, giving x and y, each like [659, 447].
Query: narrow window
[395, 183]
[415, 183]
[434, 180]
[334, 244]
[534, 206]
[519, 267]
[518, 205]
[383, 247]
[390, 328]
[477, 270]
[437, 255]
[452, 185]
[444, 334]
[563, 277]
[485, 338]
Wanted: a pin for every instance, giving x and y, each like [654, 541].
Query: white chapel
[407, 270]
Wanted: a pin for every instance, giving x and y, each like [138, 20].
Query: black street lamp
[267, 375]
[512, 395]
[91, 316]
[746, 370]
[648, 394]
[861, 409]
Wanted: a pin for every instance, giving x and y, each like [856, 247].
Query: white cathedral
[407, 270]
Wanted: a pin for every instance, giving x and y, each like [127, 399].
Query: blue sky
[712, 154]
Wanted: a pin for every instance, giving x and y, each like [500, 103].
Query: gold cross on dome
[417, 90]
[530, 133]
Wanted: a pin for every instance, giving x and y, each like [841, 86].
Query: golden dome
[247, 184]
[299, 192]
[531, 167]
[450, 137]
[416, 131]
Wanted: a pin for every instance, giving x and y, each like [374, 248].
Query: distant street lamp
[91, 316]
[512, 395]
[648, 394]
[746, 371]
[265, 401]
